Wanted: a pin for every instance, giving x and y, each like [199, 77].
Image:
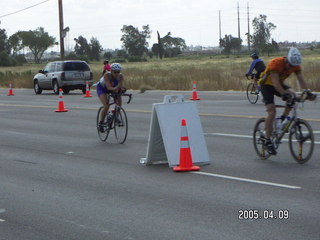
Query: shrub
[5, 59]
[119, 60]
[137, 59]
[20, 59]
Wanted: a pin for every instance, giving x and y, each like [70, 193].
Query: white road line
[2, 220]
[248, 180]
[242, 136]
[228, 135]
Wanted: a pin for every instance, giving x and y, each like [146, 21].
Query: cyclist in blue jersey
[111, 82]
[258, 65]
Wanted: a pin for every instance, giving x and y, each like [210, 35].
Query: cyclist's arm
[301, 80]
[121, 80]
[276, 83]
[108, 83]
[253, 64]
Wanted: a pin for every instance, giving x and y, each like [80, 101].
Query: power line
[23, 9]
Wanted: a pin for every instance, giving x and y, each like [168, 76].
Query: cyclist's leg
[271, 114]
[118, 100]
[268, 93]
[256, 79]
[104, 99]
[288, 107]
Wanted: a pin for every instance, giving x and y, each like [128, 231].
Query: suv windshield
[75, 66]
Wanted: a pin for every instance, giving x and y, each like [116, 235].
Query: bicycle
[301, 138]
[252, 91]
[116, 119]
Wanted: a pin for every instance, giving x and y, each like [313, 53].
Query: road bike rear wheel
[301, 141]
[121, 125]
[259, 139]
[103, 135]
[252, 95]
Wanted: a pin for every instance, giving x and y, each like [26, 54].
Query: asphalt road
[59, 181]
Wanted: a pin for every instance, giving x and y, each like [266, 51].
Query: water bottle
[278, 125]
[285, 122]
[109, 117]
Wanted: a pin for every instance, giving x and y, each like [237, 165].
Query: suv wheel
[65, 90]
[37, 88]
[84, 89]
[55, 87]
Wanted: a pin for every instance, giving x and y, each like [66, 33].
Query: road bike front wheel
[259, 139]
[121, 125]
[301, 141]
[252, 94]
[103, 131]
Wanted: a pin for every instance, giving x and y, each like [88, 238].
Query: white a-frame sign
[165, 130]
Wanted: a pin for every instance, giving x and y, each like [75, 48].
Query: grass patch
[211, 73]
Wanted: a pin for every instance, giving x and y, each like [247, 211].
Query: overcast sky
[196, 21]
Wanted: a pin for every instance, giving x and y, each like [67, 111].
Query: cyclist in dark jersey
[258, 65]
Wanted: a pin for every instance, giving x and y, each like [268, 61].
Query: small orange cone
[88, 94]
[185, 152]
[10, 92]
[61, 103]
[194, 92]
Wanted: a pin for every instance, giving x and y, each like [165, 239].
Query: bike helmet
[294, 57]
[254, 55]
[105, 61]
[116, 67]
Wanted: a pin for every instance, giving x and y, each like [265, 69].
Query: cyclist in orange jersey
[272, 83]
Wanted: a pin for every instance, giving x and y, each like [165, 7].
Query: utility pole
[238, 22]
[61, 30]
[248, 26]
[219, 28]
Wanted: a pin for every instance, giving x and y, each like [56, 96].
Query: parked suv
[68, 75]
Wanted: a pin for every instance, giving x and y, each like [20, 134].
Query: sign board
[164, 135]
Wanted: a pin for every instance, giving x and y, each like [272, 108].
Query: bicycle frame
[301, 138]
[118, 122]
[293, 118]
[252, 91]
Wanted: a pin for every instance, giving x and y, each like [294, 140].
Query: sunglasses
[116, 71]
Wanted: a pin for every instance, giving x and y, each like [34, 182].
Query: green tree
[230, 43]
[121, 53]
[157, 48]
[160, 45]
[5, 59]
[107, 55]
[38, 41]
[172, 46]
[82, 47]
[95, 49]
[262, 32]
[135, 41]
[4, 45]
[15, 42]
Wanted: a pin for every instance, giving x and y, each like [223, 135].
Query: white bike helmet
[294, 57]
[115, 67]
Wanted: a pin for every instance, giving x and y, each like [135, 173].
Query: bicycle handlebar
[251, 76]
[304, 96]
[129, 95]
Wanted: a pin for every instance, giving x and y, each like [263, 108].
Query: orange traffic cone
[10, 92]
[61, 103]
[194, 92]
[185, 152]
[87, 90]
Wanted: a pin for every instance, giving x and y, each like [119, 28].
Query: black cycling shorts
[257, 75]
[269, 91]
